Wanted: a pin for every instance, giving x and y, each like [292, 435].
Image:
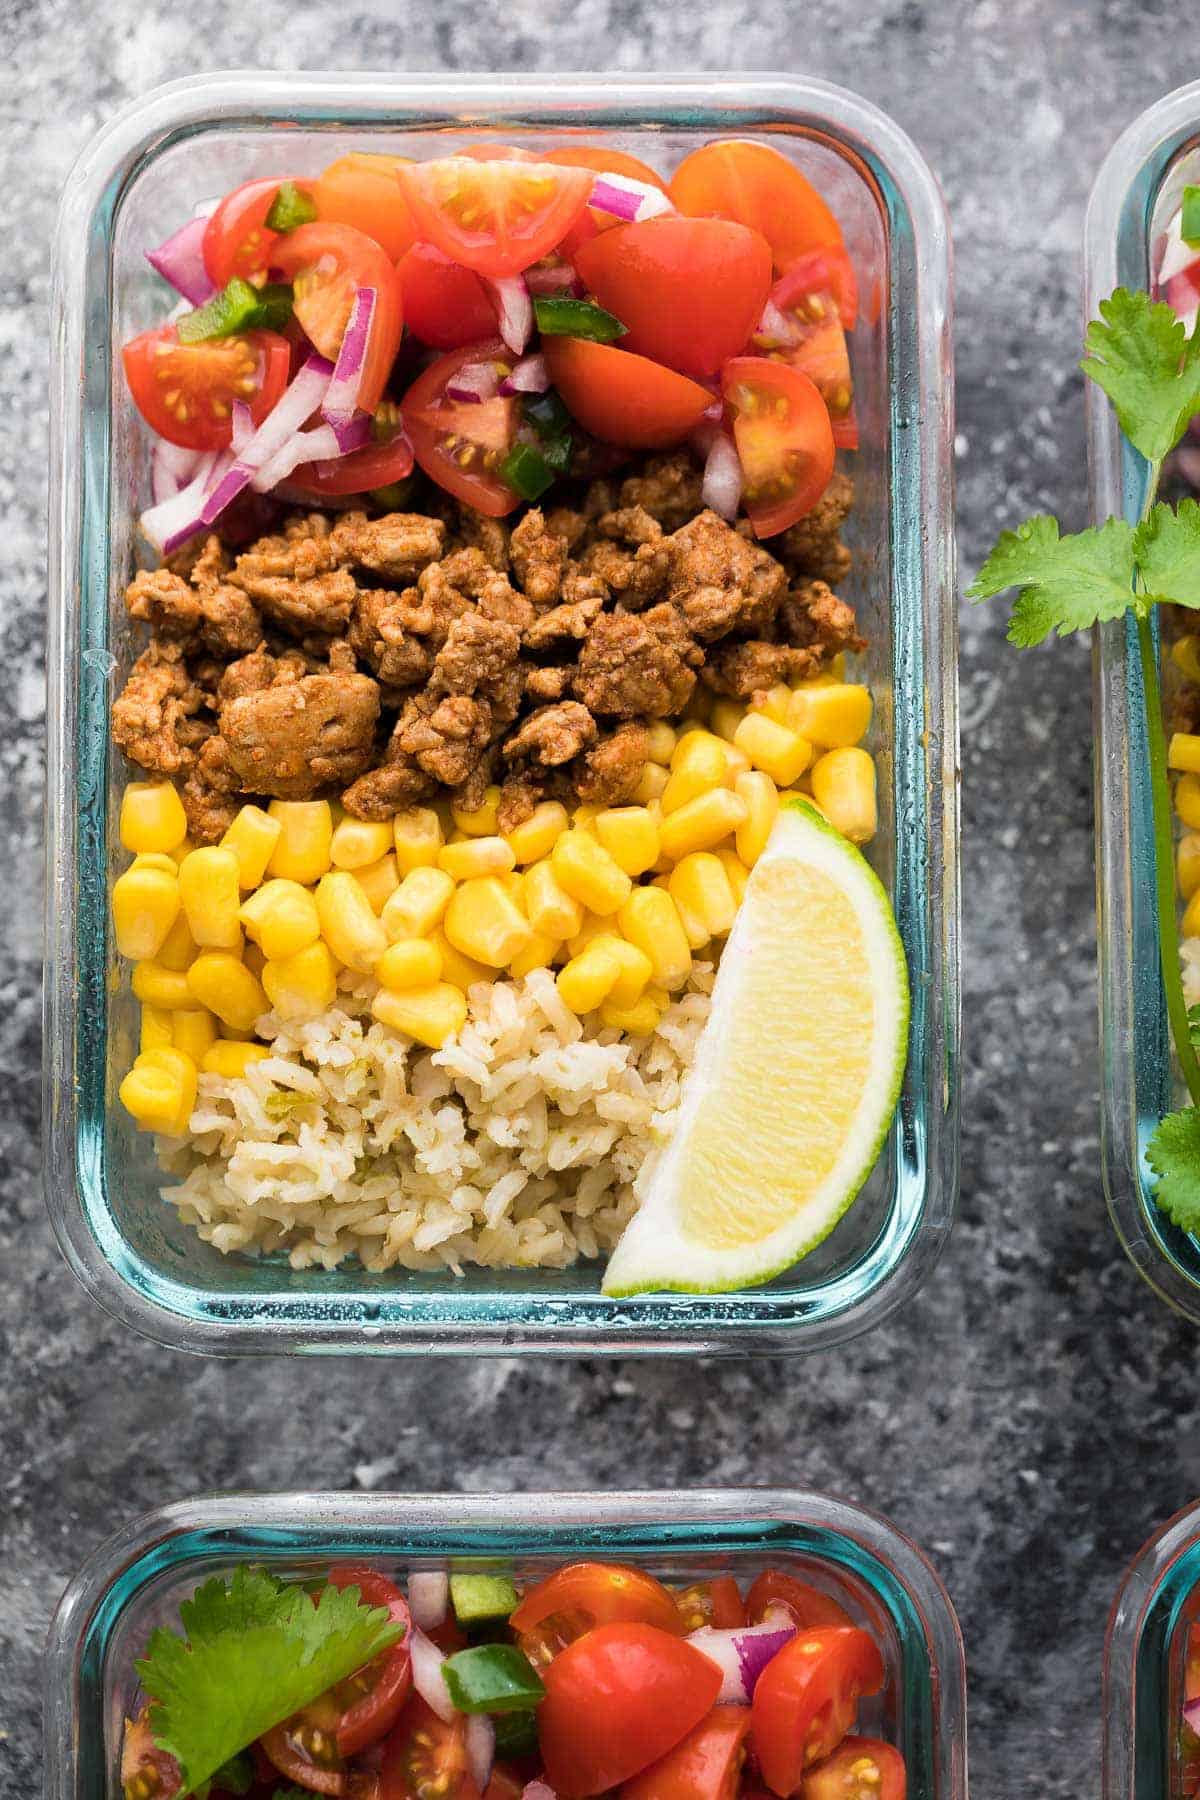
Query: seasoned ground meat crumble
[389, 660]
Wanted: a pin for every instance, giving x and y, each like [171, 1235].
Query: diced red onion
[554, 278]
[474, 381]
[481, 1748]
[289, 414]
[515, 309]
[180, 260]
[243, 427]
[537, 1790]
[530, 376]
[340, 405]
[722, 485]
[165, 523]
[1191, 1716]
[1177, 255]
[428, 1679]
[428, 1597]
[627, 199]
[318, 445]
[171, 468]
[741, 1655]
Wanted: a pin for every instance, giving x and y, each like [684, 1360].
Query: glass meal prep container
[131, 187]
[1154, 1614]
[135, 1582]
[1138, 185]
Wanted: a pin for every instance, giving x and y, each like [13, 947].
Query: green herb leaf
[1166, 546]
[559, 317]
[1174, 1154]
[1067, 583]
[1142, 357]
[290, 207]
[1194, 1026]
[1189, 224]
[254, 1651]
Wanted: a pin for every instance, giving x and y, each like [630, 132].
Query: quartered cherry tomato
[759, 186]
[361, 190]
[497, 217]
[186, 392]
[425, 1758]
[459, 444]
[147, 1773]
[387, 458]
[690, 291]
[582, 1595]
[617, 1699]
[236, 238]
[828, 271]
[717, 1603]
[803, 328]
[445, 304]
[327, 264]
[621, 397]
[806, 1699]
[807, 1606]
[707, 1765]
[860, 1769]
[784, 440]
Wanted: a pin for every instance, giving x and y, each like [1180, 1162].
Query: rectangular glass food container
[1144, 1661]
[1138, 184]
[135, 1582]
[143, 174]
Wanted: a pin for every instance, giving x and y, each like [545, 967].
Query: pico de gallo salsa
[594, 1679]
[499, 321]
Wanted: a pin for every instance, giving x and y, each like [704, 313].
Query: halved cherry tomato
[617, 1700]
[236, 239]
[327, 264]
[497, 217]
[806, 331]
[461, 445]
[860, 1769]
[147, 1773]
[690, 291]
[807, 1606]
[186, 392]
[758, 186]
[361, 190]
[707, 1765]
[827, 271]
[783, 436]
[582, 1595]
[623, 398]
[445, 304]
[600, 162]
[717, 1602]
[386, 459]
[806, 1699]
[425, 1758]
[383, 1686]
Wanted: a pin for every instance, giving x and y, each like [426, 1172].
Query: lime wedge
[795, 1080]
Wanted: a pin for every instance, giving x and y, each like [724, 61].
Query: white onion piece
[627, 199]
[531, 376]
[774, 325]
[553, 278]
[165, 524]
[481, 1748]
[243, 427]
[318, 445]
[474, 381]
[428, 1679]
[516, 311]
[340, 405]
[537, 1790]
[722, 485]
[171, 468]
[428, 1598]
[741, 1655]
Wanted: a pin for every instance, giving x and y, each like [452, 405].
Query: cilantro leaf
[1174, 1155]
[1167, 549]
[1067, 583]
[1142, 357]
[254, 1651]
[1194, 1026]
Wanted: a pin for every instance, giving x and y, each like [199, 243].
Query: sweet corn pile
[616, 901]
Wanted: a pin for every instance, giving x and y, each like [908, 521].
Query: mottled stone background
[1034, 1414]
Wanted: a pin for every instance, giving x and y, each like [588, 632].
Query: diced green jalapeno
[559, 317]
[478, 1597]
[527, 470]
[238, 307]
[492, 1678]
[516, 1735]
[546, 413]
[290, 207]
[557, 452]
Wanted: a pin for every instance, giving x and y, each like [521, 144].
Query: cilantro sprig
[254, 1650]
[1141, 355]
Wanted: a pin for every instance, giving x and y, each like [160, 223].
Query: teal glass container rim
[1136, 1068]
[1138, 1654]
[924, 674]
[430, 1529]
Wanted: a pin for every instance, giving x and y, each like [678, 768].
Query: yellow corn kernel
[227, 987]
[156, 1033]
[429, 1014]
[781, 753]
[252, 837]
[182, 850]
[833, 717]
[539, 833]
[409, 963]
[281, 917]
[738, 873]
[348, 924]
[550, 909]
[844, 789]
[153, 1096]
[156, 985]
[180, 1067]
[651, 784]
[1185, 654]
[461, 971]
[538, 953]
[476, 857]
[1187, 864]
[179, 948]
[210, 894]
[379, 881]
[145, 905]
[1183, 752]
[1187, 801]
[589, 873]
[305, 840]
[591, 976]
[702, 823]
[513, 884]
[418, 904]
[356, 843]
[777, 704]
[636, 971]
[230, 1059]
[193, 1030]
[660, 741]
[485, 922]
[736, 763]
[481, 822]
[303, 985]
[584, 815]
[630, 835]
[727, 715]
[697, 764]
[762, 804]
[593, 926]
[1189, 925]
[638, 1020]
[418, 836]
[650, 919]
[155, 859]
[152, 816]
[700, 889]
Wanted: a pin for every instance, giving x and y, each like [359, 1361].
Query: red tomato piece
[707, 1765]
[186, 392]
[806, 1699]
[690, 291]
[497, 217]
[505, 1784]
[445, 304]
[717, 1603]
[425, 1758]
[827, 271]
[236, 238]
[758, 186]
[617, 1699]
[361, 190]
[808, 1606]
[784, 439]
[805, 330]
[373, 1696]
[860, 1769]
[461, 445]
[145, 1769]
[327, 264]
[582, 1595]
[623, 398]
[386, 459]
[600, 162]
